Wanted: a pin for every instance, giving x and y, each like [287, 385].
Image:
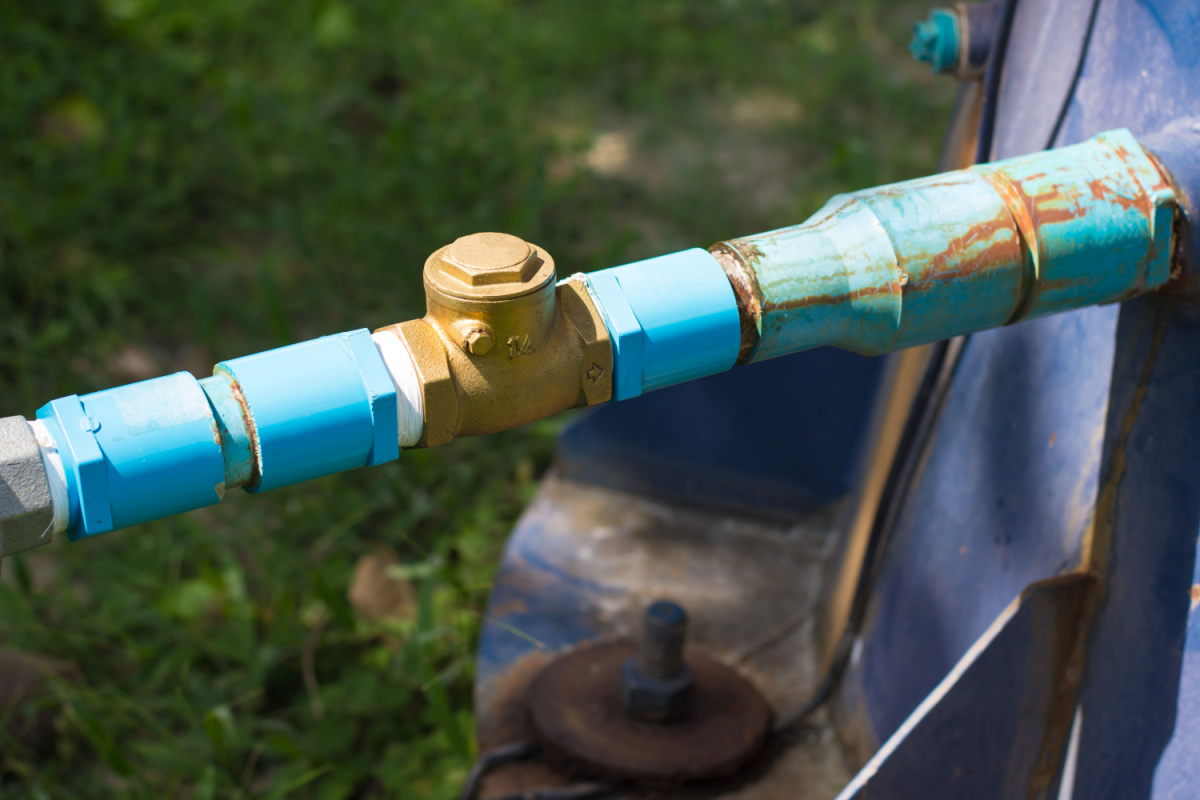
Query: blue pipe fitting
[311, 409]
[137, 453]
[670, 319]
[937, 41]
[174, 444]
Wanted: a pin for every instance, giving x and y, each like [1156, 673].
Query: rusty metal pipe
[928, 259]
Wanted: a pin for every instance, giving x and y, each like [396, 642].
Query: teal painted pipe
[928, 259]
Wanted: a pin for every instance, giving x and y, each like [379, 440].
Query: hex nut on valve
[656, 683]
[478, 341]
[26, 512]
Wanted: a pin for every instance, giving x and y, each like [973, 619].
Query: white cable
[410, 408]
[56, 476]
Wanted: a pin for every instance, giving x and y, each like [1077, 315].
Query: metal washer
[575, 710]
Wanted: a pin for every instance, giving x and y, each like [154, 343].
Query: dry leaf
[377, 595]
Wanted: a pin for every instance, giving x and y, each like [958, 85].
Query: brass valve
[503, 343]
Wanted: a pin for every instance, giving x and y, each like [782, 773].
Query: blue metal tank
[1010, 598]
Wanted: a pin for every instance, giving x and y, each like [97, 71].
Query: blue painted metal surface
[1140, 70]
[1003, 498]
[1143, 545]
[1121, 501]
[937, 40]
[671, 319]
[318, 407]
[1177, 773]
[717, 441]
[928, 259]
[1066, 444]
[990, 727]
[138, 452]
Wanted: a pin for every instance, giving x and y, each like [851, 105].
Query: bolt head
[655, 700]
[478, 341]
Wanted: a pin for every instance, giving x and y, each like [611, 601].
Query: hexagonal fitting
[488, 266]
[483, 259]
[656, 699]
[477, 339]
[26, 512]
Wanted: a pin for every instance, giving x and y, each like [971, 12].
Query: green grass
[182, 182]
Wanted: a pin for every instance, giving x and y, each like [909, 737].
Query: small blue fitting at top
[670, 319]
[317, 407]
[136, 453]
[937, 40]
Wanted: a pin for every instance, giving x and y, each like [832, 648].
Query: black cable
[1066, 104]
[515, 752]
[580, 791]
[496, 757]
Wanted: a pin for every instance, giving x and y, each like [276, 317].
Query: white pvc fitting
[410, 407]
[56, 476]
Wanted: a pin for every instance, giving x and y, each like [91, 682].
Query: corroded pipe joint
[502, 343]
[928, 259]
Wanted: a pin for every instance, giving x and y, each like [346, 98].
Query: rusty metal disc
[575, 710]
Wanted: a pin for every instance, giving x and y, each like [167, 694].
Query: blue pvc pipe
[164, 446]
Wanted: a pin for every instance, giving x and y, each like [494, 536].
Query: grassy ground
[183, 181]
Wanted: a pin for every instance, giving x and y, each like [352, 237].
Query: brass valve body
[502, 343]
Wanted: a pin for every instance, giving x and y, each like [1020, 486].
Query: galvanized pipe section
[937, 257]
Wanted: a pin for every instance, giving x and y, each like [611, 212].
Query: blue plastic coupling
[136, 453]
[671, 319]
[169, 445]
[308, 410]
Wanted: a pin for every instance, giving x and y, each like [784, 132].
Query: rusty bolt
[656, 683]
[478, 341]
